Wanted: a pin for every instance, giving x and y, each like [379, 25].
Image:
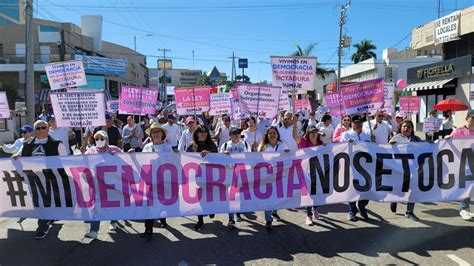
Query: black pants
[410, 206]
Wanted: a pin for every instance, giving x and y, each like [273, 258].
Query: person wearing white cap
[101, 139]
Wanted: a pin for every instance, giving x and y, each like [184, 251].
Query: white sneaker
[113, 226]
[466, 215]
[91, 234]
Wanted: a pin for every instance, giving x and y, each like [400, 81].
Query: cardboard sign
[65, 75]
[362, 97]
[4, 108]
[192, 100]
[220, 103]
[138, 100]
[410, 104]
[79, 109]
[432, 125]
[293, 73]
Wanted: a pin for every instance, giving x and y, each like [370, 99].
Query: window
[3, 124]
[1, 49]
[20, 50]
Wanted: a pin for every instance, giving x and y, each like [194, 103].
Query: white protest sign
[284, 104]
[259, 101]
[4, 108]
[220, 103]
[293, 73]
[447, 28]
[234, 107]
[66, 74]
[388, 91]
[432, 125]
[73, 109]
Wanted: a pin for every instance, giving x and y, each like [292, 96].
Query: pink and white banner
[363, 97]
[258, 101]
[157, 185]
[192, 100]
[138, 100]
[220, 103]
[334, 103]
[410, 104]
[79, 108]
[66, 74]
[293, 73]
[303, 104]
[4, 108]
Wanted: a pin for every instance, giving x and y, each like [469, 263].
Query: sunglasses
[41, 128]
[346, 120]
[97, 139]
[380, 116]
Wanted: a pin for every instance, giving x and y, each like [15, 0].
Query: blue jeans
[309, 210]
[95, 225]
[353, 208]
[465, 203]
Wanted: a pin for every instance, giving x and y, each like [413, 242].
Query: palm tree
[307, 51]
[364, 51]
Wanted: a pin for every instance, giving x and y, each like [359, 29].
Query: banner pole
[194, 105]
[258, 105]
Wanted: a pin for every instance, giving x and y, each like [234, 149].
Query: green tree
[243, 79]
[222, 80]
[307, 51]
[203, 80]
[365, 50]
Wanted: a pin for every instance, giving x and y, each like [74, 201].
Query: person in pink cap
[187, 136]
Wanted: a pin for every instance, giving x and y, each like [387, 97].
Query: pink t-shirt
[462, 132]
[338, 133]
[305, 144]
[110, 149]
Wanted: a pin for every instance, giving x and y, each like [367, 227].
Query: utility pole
[193, 59]
[164, 50]
[234, 71]
[342, 21]
[30, 63]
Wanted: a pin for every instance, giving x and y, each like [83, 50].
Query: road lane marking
[458, 260]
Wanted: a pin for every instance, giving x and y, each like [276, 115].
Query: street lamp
[135, 48]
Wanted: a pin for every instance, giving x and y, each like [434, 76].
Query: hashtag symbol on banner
[12, 192]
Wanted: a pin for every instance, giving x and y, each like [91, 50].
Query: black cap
[108, 116]
[356, 118]
[234, 129]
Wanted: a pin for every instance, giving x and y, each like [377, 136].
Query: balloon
[401, 83]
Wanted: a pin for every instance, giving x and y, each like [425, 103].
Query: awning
[44, 95]
[427, 85]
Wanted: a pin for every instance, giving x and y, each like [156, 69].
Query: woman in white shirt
[251, 135]
[158, 135]
[270, 143]
[325, 127]
[447, 125]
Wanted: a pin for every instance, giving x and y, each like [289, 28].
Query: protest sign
[235, 109]
[65, 74]
[157, 185]
[293, 73]
[258, 101]
[388, 93]
[410, 104]
[362, 97]
[303, 104]
[284, 104]
[137, 100]
[112, 106]
[432, 125]
[334, 103]
[4, 108]
[96, 64]
[79, 108]
[220, 103]
[191, 100]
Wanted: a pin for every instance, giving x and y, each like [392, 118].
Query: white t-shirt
[281, 146]
[249, 137]
[185, 140]
[328, 130]
[381, 133]
[224, 135]
[62, 134]
[262, 125]
[240, 146]
[164, 147]
[173, 134]
[286, 136]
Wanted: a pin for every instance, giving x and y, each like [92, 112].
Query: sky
[255, 30]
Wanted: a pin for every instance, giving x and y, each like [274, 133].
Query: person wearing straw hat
[158, 144]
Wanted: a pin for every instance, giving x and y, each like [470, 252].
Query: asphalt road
[441, 237]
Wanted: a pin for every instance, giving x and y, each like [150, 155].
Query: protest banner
[137, 100]
[4, 108]
[410, 104]
[66, 74]
[388, 94]
[96, 64]
[334, 103]
[258, 100]
[362, 97]
[293, 73]
[157, 185]
[192, 100]
[220, 103]
[235, 109]
[79, 108]
[284, 104]
[303, 104]
[112, 106]
[432, 125]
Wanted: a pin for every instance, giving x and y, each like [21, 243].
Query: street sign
[243, 63]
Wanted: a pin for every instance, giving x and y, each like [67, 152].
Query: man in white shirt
[379, 129]
[222, 133]
[59, 133]
[285, 128]
[187, 135]
[26, 132]
[44, 116]
[174, 132]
